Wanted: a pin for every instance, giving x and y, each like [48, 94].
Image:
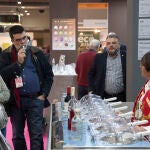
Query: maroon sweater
[83, 64]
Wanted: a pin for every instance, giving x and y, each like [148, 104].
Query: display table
[59, 136]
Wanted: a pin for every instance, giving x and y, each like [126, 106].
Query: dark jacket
[97, 73]
[10, 70]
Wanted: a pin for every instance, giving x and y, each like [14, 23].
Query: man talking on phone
[29, 77]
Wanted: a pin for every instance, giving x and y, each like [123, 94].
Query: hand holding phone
[21, 54]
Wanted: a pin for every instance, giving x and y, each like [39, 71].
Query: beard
[112, 52]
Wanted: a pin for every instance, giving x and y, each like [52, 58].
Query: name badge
[18, 82]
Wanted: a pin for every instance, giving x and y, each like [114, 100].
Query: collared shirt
[114, 76]
[30, 77]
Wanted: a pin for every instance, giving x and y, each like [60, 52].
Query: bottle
[63, 95]
[53, 65]
[76, 126]
[68, 97]
[64, 111]
[71, 104]
[62, 63]
[53, 62]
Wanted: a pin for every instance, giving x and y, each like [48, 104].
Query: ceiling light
[27, 14]
[81, 34]
[19, 3]
[96, 30]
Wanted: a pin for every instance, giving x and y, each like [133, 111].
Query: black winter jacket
[10, 70]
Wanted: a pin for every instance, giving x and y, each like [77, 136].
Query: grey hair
[94, 44]
[112, 35]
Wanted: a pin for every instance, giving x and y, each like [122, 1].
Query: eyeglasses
[21, 39]
[108, 43]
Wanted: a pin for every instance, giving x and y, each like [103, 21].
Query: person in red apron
[141, 109]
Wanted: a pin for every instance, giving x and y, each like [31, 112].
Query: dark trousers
[82, 91]
[32, 111]
[120, 96]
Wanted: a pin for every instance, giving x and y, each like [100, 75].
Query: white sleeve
[147, 127]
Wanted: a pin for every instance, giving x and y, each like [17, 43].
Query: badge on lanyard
[18, 82]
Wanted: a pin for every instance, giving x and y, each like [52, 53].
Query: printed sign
[63, 34]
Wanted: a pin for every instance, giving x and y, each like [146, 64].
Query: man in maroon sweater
[83, 64]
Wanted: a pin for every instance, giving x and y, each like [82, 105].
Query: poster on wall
[144, 8]
[63, 34]
[84, 38]
[143, 47]
[144, 26]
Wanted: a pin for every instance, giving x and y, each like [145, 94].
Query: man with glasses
[107, 76]
[29, 77]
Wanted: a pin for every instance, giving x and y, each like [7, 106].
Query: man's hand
[21, 55]
[90, 92]
[41, 97]
[139, 129]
